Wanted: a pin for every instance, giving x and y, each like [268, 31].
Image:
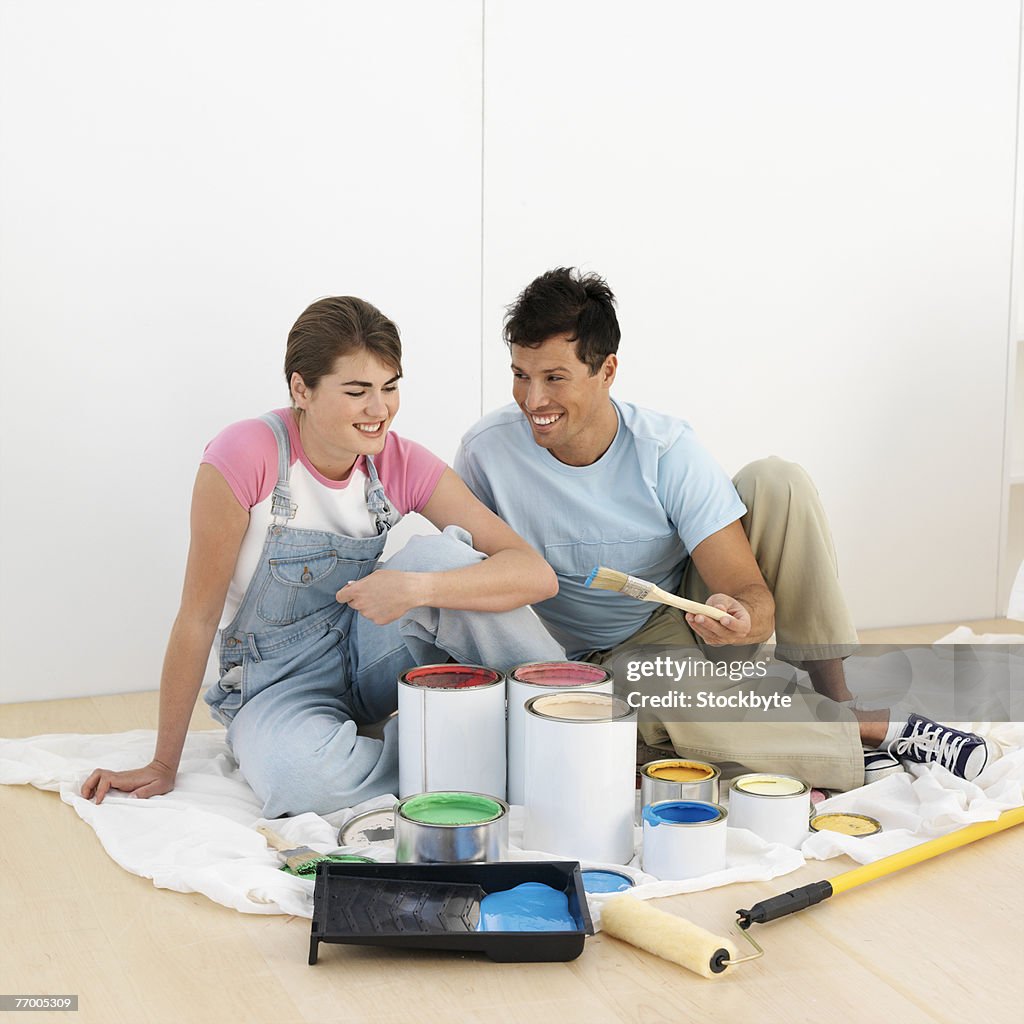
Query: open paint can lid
[606, 881]
[859, 825]
[377, 826]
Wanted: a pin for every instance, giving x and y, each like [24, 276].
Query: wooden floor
[943, 941]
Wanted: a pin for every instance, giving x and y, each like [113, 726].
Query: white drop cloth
[201, 837]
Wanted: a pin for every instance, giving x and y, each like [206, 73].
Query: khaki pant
[790, 538]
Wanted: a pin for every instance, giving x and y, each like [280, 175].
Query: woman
[290, 514]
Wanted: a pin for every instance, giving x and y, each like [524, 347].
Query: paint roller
[682, 942]
[666, 935]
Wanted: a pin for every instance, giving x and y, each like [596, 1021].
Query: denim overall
[300, 671]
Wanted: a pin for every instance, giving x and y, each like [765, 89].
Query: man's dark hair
[565, 301]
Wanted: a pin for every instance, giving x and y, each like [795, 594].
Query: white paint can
[775, 807]
[580, 776]
[451, 730]
[534, 680]
[683, 839]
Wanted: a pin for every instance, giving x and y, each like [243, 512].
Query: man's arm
[465, 466]
[728, 567]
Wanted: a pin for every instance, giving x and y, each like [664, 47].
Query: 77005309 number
[17, 1002]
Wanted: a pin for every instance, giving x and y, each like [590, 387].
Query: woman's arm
[218, 524]
[511, 576]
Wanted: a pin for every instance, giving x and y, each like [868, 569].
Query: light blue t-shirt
[641, 508]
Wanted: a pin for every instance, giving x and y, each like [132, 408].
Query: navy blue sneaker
[926, 742]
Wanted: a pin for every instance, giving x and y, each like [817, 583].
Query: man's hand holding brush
[732, 628]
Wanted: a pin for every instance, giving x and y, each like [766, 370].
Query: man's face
[568, 408]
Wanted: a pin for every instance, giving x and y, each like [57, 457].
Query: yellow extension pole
[925, 851]
[807, 895]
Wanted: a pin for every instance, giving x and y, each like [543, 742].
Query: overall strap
[376, 500]
[282, 508]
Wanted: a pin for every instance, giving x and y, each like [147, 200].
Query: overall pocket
[302, 585]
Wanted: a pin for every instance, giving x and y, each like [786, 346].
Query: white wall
[805, 210]
[177, 183]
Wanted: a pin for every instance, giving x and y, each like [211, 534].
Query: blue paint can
[683, 839]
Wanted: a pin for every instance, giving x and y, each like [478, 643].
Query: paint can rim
[682, 762]
[503, 809]
[722, 815]
[513, 676]
[452, 669]
[734, 786]
[620, 711]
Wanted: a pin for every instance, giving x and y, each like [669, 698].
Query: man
[592, 481]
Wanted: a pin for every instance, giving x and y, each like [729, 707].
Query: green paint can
[450, 827]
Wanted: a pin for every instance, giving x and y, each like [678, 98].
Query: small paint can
[580, 776]
[684, 838]
[595, 882]
[858, 825]
[451, 730]
[376, 826]
[774, 807]
[450, 828]
[533, 680]
[674, 778]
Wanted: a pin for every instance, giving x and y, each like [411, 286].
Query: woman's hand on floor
[153, 780]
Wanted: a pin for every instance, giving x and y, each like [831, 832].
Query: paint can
[536, 679]
[775, 807]
[450, 828]
[684, 838]
[846, 824]
[451, 730]
[675, 778]
[580, 776]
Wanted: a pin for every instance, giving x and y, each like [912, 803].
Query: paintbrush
[611, 579]
[302, 860]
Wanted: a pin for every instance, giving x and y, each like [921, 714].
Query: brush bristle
[601, 578]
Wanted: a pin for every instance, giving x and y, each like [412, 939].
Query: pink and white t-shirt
[245, 454]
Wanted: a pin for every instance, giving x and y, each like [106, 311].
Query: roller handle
[786, 903]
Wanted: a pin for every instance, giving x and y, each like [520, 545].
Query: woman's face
[350, 410]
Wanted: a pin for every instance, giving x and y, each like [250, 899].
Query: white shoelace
[931, 738]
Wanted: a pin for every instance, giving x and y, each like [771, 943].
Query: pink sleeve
[408, 472]
[245, 454]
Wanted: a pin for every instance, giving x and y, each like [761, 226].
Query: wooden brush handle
[273, 839]
[657, 594]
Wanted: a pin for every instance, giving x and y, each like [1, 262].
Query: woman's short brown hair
[334, 327]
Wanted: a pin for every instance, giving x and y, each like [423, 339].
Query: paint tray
[437, 906]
